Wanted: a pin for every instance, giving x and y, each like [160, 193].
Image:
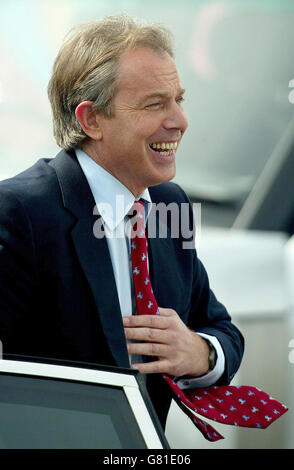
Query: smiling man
[118, 115]
[138, 144]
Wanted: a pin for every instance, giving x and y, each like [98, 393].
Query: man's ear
[89, 120]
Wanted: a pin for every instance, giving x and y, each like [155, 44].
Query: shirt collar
[113, 199]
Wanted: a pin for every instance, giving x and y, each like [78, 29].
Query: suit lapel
[92, 252]
[161, 261]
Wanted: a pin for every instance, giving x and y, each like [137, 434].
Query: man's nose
[176, 118]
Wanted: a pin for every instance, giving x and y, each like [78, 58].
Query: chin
[162, 179]
[169, 175]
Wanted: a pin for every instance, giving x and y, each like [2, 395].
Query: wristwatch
[212, 356]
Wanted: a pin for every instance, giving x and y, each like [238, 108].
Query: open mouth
[164, 148]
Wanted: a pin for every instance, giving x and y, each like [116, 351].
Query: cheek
[132, 135]
[148, 126]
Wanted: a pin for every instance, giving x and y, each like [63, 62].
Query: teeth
[165, 146]
[166, 153]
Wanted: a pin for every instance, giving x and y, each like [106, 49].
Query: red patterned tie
[235, 405]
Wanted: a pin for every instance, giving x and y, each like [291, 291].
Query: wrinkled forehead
[143, 71]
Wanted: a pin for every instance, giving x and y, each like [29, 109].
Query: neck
[92, 152]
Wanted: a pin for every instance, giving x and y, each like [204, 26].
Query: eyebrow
[159, 94]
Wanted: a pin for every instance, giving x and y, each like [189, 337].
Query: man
[66, 292]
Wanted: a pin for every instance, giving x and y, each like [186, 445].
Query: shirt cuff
[212, 376]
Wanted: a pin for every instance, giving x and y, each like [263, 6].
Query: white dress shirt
[114, 201]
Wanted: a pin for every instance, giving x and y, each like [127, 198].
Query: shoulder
[37, 181]
[167, 193]
[173, 207]
[30, 179]
[31, 190]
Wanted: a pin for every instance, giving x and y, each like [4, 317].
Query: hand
[179, 350]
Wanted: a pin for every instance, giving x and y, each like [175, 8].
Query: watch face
[212, 356]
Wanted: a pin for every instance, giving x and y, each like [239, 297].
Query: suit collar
[76, 193]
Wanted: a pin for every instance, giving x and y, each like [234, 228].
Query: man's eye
[180, 99]
[154, 105]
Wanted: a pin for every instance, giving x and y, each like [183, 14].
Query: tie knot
[139, 207]
[137, 210]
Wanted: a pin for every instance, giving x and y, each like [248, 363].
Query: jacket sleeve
[18, 274]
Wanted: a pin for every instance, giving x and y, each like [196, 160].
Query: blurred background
[236, 61]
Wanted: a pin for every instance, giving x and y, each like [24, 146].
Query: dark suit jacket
[58, 297]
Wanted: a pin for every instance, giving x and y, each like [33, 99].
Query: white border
[127, 382]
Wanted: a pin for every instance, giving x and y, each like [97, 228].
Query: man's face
[148, 116]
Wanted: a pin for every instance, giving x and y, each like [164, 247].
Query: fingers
[155, 335]
[161, 321]
[156, 367]
[167, 312]
[163, 336]
[151, 321]
[148, 349]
